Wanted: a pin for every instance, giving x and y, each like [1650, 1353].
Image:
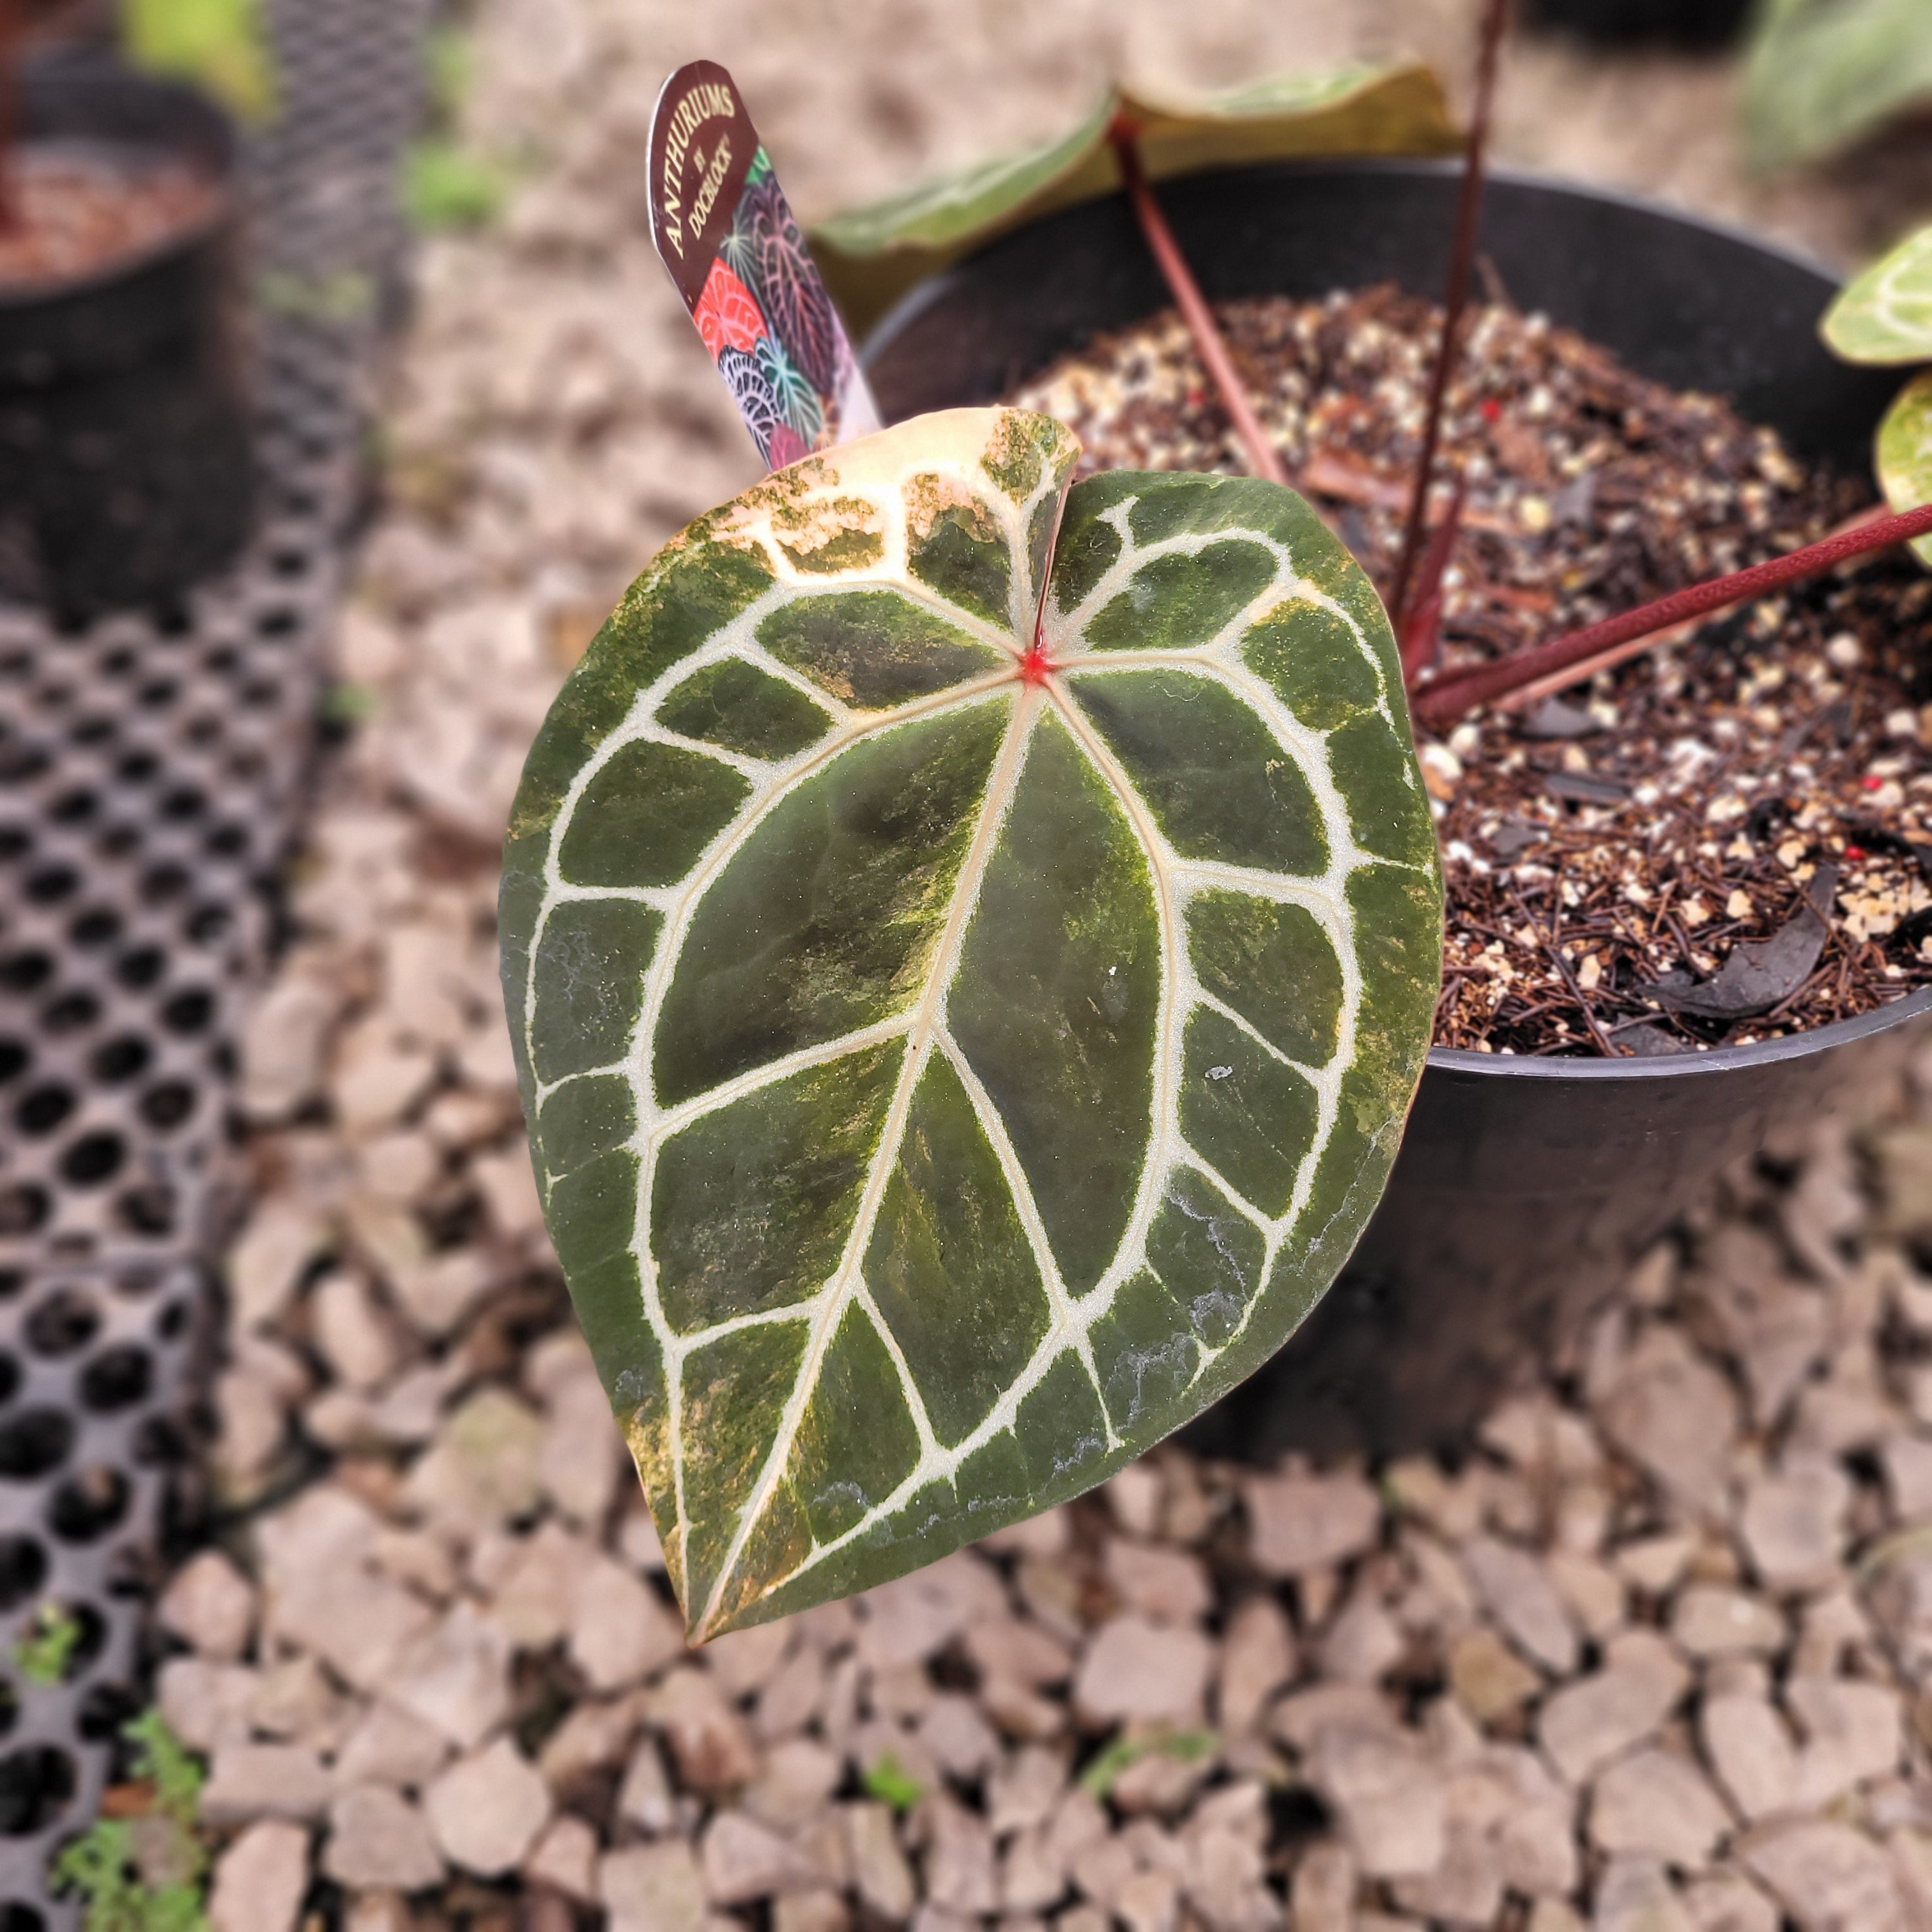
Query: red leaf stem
[1264, 459]
[1462, 255]
[1422, 623]
[1441, 701]
[13, 48]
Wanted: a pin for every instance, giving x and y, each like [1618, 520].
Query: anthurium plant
[870, 256]
[971, 946]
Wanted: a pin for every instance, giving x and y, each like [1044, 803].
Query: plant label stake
[728, 235]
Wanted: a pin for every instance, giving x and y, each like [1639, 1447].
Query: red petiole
[1440, 701]
[1264, 459]
[1462, 255]
[13, 40]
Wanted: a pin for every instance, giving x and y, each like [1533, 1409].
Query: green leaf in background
[1905, 453]
[1822, 74]
[951, 1068]
[219, 44]
[870, 256]
[1885, 315]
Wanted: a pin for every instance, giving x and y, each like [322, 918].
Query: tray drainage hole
[230, 842]
[166, 1106]
[23, 1210]
[105, 1711]
[172, 1322]
[35, 1786]
[17, 1916]
[98, 926]
[122, 1058]
[10, 1376]
[159, 884]
[25, 972]
[210, 923]
[160, 1442]
[66, 1322]
[189, 1012]
[16, 842]
[15, 1057]
[73, 808]
[149, 1210]
[88, 1505]
[51, 884]
[116, 1379]
[10, 1707]
[23, 1570]
[34, 1441]
[42, 1109]
[92, 1159]
[71, 1011]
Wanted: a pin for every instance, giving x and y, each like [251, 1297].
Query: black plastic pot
[1525, 1188]
[1683, 23]
[126, 469]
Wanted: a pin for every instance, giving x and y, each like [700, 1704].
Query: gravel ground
[1656, 1658]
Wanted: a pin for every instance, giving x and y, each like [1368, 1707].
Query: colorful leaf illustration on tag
[735, 250]
[965, 1021]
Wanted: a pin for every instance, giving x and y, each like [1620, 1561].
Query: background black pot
[1684, 23]
[1524, 1187]
[125, 463]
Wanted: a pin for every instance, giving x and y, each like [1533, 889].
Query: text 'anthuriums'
[970, 946]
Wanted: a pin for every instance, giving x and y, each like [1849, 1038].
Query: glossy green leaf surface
[951, 1064]
[1905, 453]
[1885, 315]
[1820, 75]
[871, 255]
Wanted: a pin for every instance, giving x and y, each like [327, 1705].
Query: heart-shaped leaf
[1822, 74]
[1905, 452]
[870, 256]
[1885, 315]
[957, 1051]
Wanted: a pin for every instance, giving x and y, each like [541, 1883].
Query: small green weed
[44, 1649]
[131, 1879]
[891, 1784]
[1189, 1747]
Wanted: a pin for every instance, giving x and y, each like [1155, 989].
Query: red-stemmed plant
[1439, 697]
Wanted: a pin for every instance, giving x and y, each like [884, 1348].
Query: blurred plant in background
[447, 184]
[1820, 75]
[219, 44]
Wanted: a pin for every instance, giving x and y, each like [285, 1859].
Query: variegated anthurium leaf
[955, 1059]
[1905, 453]
[1885, 315]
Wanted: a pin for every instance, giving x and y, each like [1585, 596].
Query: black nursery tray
[150, 773]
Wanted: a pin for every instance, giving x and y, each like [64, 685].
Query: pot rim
[1464, 1060]
[224, 203]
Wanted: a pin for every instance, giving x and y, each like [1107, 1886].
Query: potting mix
[1723, 840]
[75, 211]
